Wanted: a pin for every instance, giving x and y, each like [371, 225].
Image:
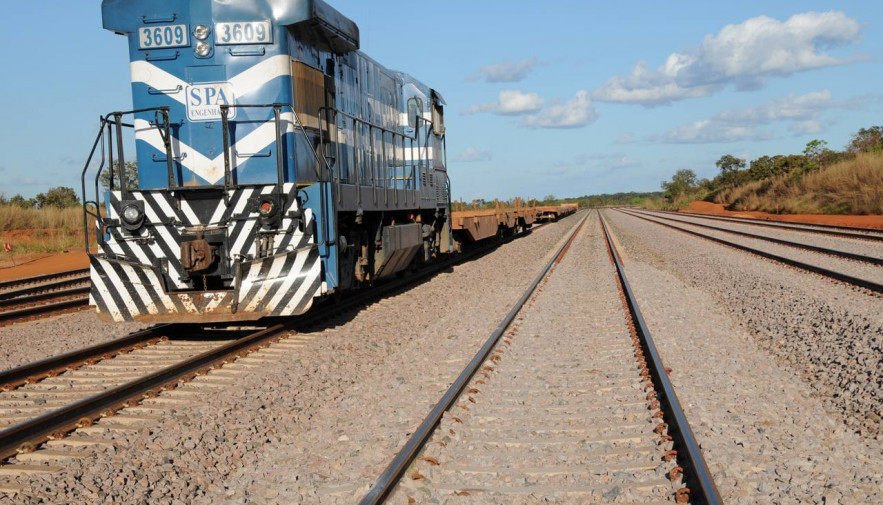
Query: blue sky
[553, 97]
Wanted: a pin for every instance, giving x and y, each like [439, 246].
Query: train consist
[277, 165]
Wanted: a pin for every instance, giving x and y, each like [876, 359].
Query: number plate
[252, 32]
[159, 37]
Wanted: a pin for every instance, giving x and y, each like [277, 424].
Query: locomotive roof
[343, 31]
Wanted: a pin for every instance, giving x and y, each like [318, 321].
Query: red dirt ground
[29, 266]
[717, 209]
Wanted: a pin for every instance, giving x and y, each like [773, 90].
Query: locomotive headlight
[202, 48]
[132, 214]
[200, 32]
[267, 208]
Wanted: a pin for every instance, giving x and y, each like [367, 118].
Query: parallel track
[823, 229]
[823, 250]
[44, 295]
[56, 423]
[79, 274]
[838, 276]
[700, 487]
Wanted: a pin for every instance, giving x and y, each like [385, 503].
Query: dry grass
[41, 230]
[849, 187]
[13, 217]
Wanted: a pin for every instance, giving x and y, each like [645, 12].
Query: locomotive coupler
[197, 255]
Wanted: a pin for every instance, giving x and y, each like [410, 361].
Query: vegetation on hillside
[853, 186]
[818, 181]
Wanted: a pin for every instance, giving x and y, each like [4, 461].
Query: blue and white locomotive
[277, 164]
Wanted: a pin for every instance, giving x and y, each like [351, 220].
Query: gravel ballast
[827, 333]
[320, 427]
[559, 414]
[870, 248]
[35, 340]
[850, 267]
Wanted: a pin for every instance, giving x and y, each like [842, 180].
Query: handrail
[116, 125]
[329, 115]
[280, 169]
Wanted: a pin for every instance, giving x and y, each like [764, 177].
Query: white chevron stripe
[155, 282]
[188, 212]
[275, 270]
[219, 210]
[255, 77]
[120, 285]
[302, 293]
[212, 170]
[139, 288]
[98, 282]
[293, 275]
[244, 83]
[158, 79]
[216, 301]
[164, 235]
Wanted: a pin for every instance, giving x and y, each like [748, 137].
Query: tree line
[63, 197]
[734, 171]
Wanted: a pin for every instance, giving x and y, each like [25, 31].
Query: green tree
[817, 154]
[682, 182]
[131, 176]
[730, 167]
[61, 197]
[20, 201]
[867, 140]
[772, 166]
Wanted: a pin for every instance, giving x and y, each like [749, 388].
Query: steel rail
[397, 467]
[42, 278]
[82, 413]
[697, 475]
[40, 297]
[33, 372]
[855, 281]
[42, 288]
[798, 245]
[824, 229]
[35, 310]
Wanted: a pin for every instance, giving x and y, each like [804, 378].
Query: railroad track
[863, 258]
[50, 294]
[872, 234]
[50, 408]
[558, 405]
[871, 284]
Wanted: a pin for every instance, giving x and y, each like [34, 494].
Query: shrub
[853, 186]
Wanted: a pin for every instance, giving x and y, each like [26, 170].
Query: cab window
[438, 118]
[415, 110]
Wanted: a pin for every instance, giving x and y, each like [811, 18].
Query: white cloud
[789, 108]
[471, 154]
[745, 54]
[708, 131]
[574, 113]
[506, 71]
[808, 127]
[802, 111]
[510, 103]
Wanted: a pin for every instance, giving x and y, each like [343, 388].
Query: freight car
[277, 165]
